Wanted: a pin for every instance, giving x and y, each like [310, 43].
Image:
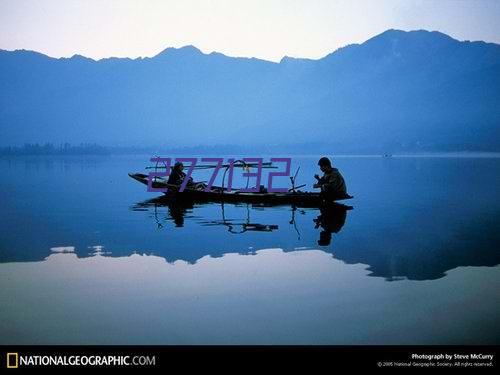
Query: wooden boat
[197, 193]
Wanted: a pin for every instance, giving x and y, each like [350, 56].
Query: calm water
[88, 256]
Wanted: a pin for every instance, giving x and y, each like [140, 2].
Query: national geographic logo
[12, 360]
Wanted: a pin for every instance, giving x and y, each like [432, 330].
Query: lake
[88, 256]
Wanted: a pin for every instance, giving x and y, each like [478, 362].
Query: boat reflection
[191, 232]
[390, 257]
[330, 220]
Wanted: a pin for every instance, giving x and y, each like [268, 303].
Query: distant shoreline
[310, 150]
[465, 155]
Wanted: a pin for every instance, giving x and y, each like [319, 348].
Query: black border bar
[260, 358]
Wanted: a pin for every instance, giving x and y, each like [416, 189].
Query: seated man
[177, 175]
[332, 183]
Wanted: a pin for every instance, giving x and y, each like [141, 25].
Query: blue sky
[267, 29]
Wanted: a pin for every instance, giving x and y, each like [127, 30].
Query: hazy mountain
[398, 90]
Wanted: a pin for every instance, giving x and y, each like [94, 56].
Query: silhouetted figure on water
[177, 175]
[332, 183]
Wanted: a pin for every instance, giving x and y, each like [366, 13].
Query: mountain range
[416, 90]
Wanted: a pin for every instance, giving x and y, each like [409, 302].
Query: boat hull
[218, 194]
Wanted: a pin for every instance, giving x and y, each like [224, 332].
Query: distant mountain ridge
[399, 90]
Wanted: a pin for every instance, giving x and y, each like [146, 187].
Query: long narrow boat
[219, 194]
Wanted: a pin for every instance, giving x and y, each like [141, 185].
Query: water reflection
[413, 218]
[388, 254]
[269, 297]
[190, 232]
[330, 218]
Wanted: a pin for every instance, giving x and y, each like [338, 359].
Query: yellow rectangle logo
[12, 360]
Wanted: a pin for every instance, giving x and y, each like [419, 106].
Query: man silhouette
[332, 183]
